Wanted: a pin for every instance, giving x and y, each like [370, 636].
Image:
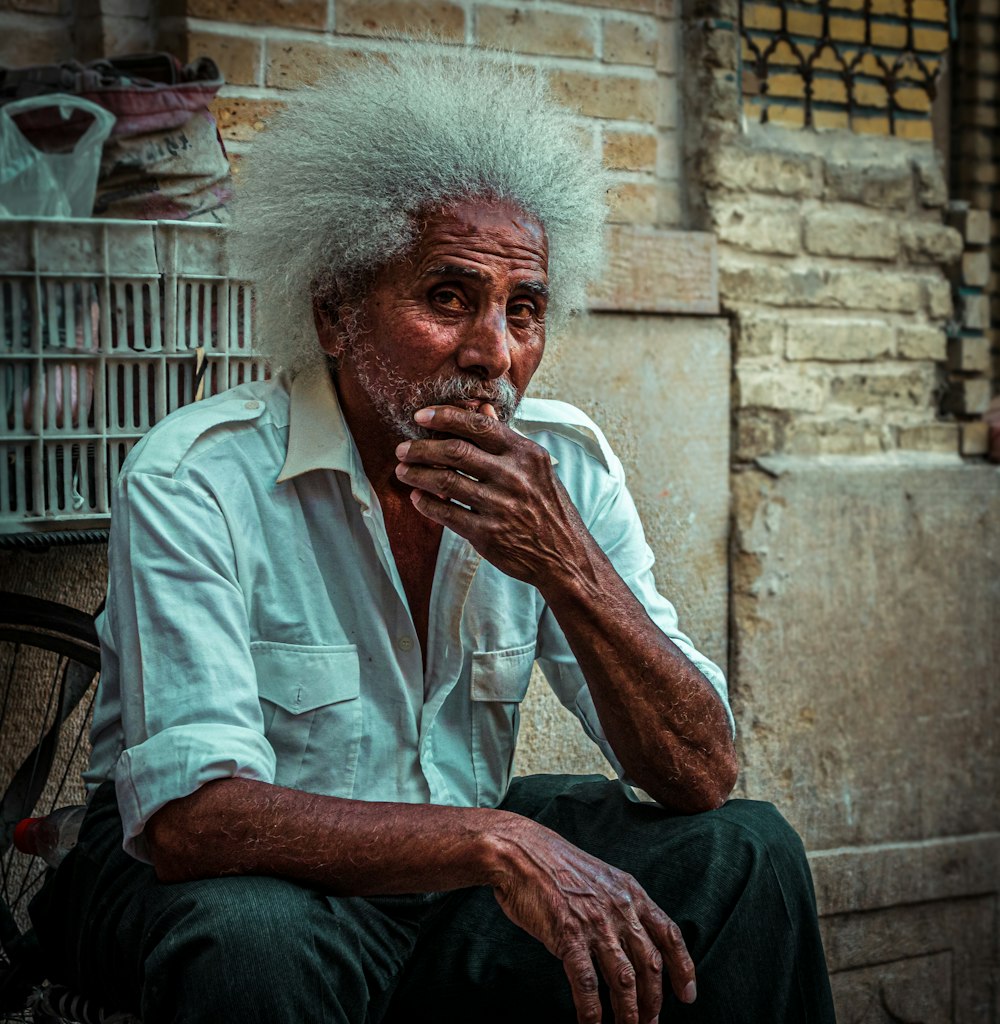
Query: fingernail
[402, 449]
[400, 469]
[424, 415]
[690, 992]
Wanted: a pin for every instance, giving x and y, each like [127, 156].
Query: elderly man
[326, 595]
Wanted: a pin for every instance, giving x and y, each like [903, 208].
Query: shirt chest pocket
[311, 702]
[499, 683]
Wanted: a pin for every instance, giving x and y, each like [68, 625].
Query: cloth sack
[164, 159]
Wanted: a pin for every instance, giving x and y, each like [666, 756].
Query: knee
[765, 849]
[233, 949]
[239, 920]
[764, 830]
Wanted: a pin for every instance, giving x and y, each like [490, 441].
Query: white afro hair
[334, 189]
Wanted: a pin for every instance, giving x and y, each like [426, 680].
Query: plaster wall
[866, 660]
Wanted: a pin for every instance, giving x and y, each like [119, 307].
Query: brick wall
[48, 31]
[615, 62]
[35, 31]
[833, 261]
[976, 140]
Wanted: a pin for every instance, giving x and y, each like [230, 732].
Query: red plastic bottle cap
[22, 835]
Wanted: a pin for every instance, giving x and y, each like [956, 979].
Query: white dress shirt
[256, 624]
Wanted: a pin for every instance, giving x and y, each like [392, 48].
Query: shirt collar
[318, 437]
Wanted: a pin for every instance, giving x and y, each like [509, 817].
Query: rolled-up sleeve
[178, 637]
[615, 525]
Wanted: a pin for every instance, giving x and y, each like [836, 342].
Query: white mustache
[500, 393]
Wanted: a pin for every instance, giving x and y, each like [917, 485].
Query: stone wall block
[310, 14]
[824, 288]
[862, 289]
[41, 40]
[634, 202]
[237, 56]
[972, 224]
[770, 228]
[855, 235]
[631, 41]
[759, 432]
[939, 299]
[785, 388]
[759, 335]
[240, 119]
[655, 271]
[932, 189]
[931, 437]
[624, 98]
[931, 243]
[967, 396]
[891, 574]
[887, 387]
[921, 342]
[975, 438]
[841, 340]
[975, 269]
[873, 185]
[969, 355]
[804, 436]
[537, 31]
[629, 150]
[975, 312]
[401, 18]
[740, 169]
[293, 63]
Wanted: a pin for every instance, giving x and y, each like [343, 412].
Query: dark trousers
[258, 949]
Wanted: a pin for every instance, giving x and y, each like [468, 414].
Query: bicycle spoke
[44, 727]
[74, 750]
[8, 688]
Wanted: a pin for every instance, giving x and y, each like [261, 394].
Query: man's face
[460, 321]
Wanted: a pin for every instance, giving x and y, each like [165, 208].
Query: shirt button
[251, 405]
[405, 643]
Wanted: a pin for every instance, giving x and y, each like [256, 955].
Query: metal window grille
[105, 327]
[845, 59]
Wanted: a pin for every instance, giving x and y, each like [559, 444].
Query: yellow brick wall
[870, 67]
[614, 62]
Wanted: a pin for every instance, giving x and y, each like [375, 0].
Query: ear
[329, 324]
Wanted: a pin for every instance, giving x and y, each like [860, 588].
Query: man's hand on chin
[516, 512]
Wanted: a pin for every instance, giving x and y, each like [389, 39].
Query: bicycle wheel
[49, 663]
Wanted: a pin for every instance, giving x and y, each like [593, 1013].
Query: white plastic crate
[104, 328]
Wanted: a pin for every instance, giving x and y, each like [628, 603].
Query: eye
[522, 309]
[448, 297]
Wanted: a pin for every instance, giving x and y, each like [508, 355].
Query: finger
[582, 977]
[489, 434]
[648, 963]
[487, 410]
[668, 938]
[459, 520]
[620, 975]
[455, 452]
[446, 484]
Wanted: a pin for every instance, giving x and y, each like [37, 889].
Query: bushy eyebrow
[534, 286]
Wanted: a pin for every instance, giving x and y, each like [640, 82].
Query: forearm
[663, 719]
[347, 847]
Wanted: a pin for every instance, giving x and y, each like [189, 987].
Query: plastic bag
[34, 183]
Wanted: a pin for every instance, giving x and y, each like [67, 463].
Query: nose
[485, 348]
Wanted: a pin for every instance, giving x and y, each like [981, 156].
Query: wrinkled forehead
[481, 230]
